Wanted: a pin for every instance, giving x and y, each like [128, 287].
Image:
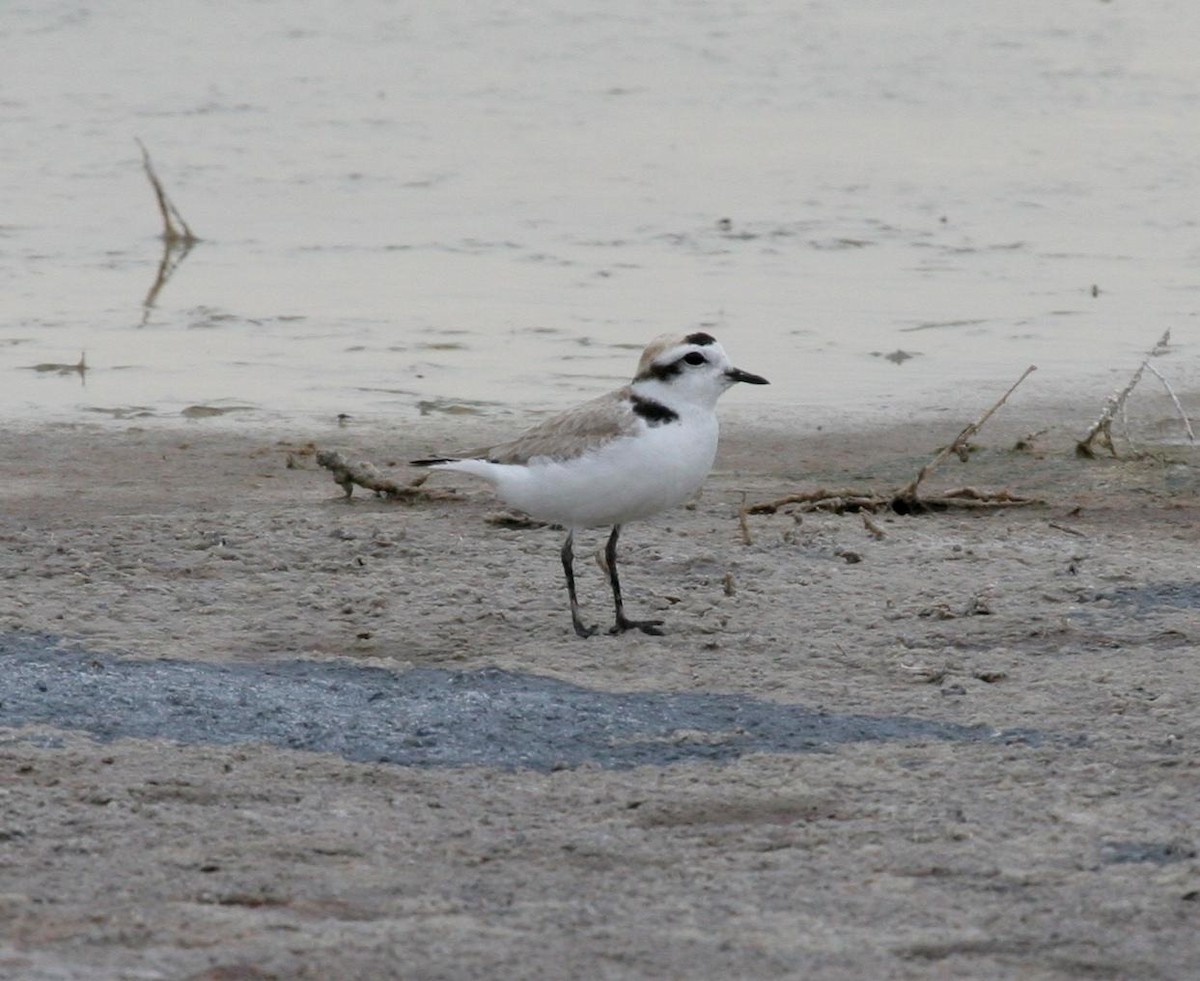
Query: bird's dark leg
[568, 561]
[623, 623]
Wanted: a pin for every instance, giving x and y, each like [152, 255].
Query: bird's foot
[645, 626]
[582, 630]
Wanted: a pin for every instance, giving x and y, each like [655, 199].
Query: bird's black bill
[737, 375]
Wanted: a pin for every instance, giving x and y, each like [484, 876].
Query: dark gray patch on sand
[422, 717]
[1156, 596]
[1154, 852]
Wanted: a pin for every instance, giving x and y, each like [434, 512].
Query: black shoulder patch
[655, 413]
[700, 339]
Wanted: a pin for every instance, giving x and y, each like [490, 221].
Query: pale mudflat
[1069, 855]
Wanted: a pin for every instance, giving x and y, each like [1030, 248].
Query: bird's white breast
[629, 478]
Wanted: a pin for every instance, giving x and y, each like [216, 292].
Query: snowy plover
[620, 457]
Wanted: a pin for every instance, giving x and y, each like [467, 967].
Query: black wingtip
[432, 461]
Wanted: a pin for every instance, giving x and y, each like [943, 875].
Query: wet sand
[1062, 845]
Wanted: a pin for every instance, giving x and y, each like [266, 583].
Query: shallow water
[406, 210]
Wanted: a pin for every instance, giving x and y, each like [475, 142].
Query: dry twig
[367, 475]
[80, 368]
[177, 241]
[1101, 430]
[513, 519]
[1187, 423]
[959, 447]
[744, 525]
[904, 501]
[839, 502]
[973, 497]
[170, 214]
[875, 531]
[850, 502]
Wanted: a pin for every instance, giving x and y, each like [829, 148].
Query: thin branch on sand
[908, 495]
[1187, 423]
[837, 502]
[743, 524]
[872, 528]
[367, 475]
[1101, 430]
[859, 502]
[906, 500]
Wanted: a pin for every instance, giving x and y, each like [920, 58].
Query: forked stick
[1102, 428]
[171, 235]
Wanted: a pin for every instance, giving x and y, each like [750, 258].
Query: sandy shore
[1066, 852]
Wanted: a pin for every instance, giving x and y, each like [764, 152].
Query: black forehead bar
[664, 371]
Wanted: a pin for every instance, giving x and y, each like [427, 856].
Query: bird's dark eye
[694, 357]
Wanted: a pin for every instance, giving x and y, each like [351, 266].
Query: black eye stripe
[672, 368]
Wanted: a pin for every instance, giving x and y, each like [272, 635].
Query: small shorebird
[623, 456]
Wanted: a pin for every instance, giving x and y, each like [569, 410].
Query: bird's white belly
[630, 478]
